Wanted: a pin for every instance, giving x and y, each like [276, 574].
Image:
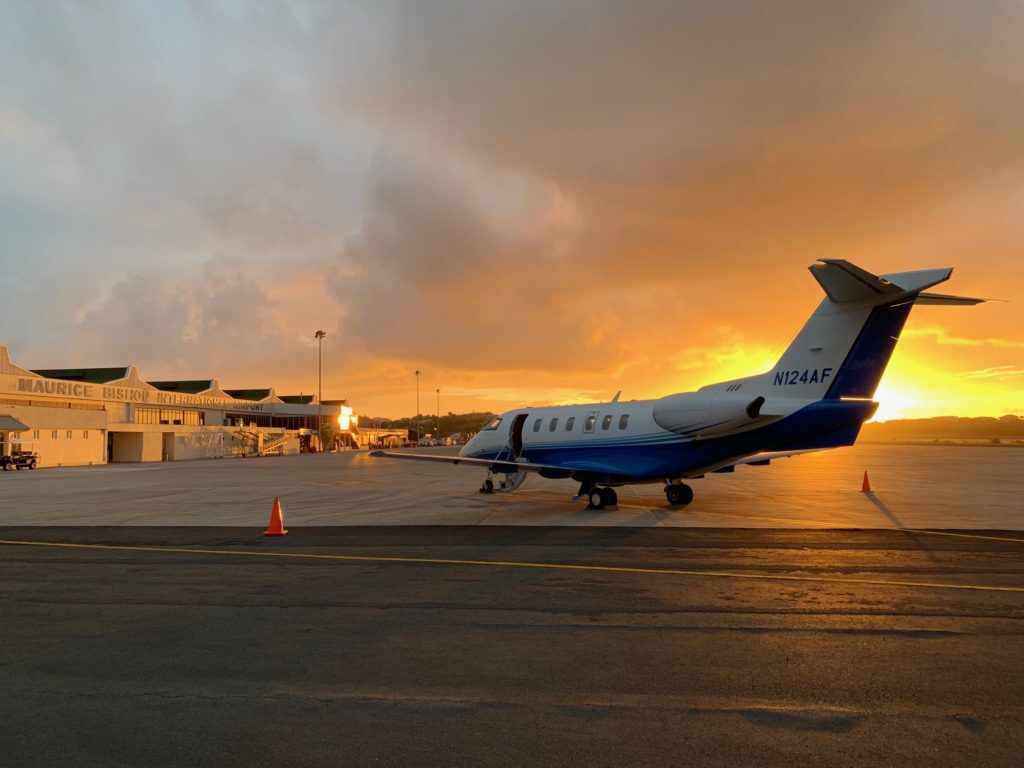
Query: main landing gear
[678, 494]
[600, 498]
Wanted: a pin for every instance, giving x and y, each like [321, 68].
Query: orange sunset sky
[530, 202]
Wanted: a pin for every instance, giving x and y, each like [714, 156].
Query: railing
[274, 444]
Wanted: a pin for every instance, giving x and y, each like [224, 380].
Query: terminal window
[175, 416]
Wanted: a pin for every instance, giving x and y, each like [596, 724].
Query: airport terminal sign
[128, 394]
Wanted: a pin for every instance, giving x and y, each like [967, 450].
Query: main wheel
[611, 498]
[679, 494]
[488, 486]
[597, 498]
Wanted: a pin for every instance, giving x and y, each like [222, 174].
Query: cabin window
[536, 425]
[606, 422]
[553, 425]
[493, 424]
[588, 425]
[570, 423]
[623, 421]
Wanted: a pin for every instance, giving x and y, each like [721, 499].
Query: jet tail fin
[845, 346]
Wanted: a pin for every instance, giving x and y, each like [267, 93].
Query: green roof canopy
[87, 375]
[249, 394]
[192, 387]
[296, 399]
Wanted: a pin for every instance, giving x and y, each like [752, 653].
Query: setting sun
[892, 404]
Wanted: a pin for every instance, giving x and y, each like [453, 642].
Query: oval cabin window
[606, 422]
[623, 421]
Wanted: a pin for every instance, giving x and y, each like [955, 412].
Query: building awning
[86, 375]
[11, 424]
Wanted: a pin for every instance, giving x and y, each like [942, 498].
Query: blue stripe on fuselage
[865, 363]
[824, 424]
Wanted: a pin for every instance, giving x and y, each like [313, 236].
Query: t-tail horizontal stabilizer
[946, 299]
[845, 346]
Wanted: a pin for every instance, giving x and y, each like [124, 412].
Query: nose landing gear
[678, 494]
[507, 482]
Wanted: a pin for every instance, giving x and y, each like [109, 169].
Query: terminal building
[104, 415]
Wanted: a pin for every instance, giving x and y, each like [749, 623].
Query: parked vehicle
[20, 458]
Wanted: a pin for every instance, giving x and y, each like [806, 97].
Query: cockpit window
[493, 423]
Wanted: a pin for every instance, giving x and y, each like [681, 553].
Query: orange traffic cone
[276, 525]
[866, 485]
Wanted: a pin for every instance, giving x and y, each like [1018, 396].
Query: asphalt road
[669, 647]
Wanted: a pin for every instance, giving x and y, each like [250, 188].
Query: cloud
[943, 337]
[509, 195]
[999, 372]
[219, 323]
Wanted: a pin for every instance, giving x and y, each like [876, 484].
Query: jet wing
[500, 466]
[767, 456]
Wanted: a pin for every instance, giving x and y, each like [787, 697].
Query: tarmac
[914, 487]
[784, 618]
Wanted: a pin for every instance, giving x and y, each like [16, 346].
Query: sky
[528, 202]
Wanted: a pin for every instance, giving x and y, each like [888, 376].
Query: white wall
[62, 436]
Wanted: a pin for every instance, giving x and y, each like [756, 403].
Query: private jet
[817, 397]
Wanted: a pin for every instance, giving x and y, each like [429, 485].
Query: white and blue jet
[817, 397]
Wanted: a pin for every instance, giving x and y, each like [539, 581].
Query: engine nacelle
[700, 414]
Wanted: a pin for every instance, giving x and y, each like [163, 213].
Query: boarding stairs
[273, 444]
[245, 443]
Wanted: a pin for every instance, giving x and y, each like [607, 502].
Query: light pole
[416, 421]
[320, 388]
[438, 433]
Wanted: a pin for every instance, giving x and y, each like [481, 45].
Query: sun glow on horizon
[893, 403]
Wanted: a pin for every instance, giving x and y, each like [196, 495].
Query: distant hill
[1005, 429]
[451, 423]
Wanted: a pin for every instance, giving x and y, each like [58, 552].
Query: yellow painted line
[514, 564]
[960, 535]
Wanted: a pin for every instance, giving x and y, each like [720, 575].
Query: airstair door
[516, 434]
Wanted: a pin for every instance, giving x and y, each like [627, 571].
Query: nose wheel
[678, 494]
